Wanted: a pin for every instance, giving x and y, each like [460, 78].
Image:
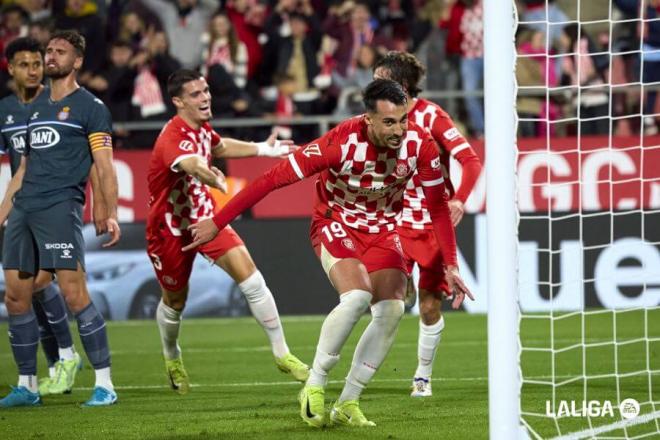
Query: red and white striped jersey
[359, 185]
[432, 118]
[176, 198]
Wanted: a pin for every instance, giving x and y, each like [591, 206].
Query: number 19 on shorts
[334, 230]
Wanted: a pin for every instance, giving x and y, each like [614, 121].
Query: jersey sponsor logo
[18, 141]
[186, 146]
[50, 246]
[10, 119]
[64, 114]
[435, 163]
[43, 137]
[451, 134]
[401, 170]
[312, 150]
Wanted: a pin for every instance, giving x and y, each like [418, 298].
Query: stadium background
[128, 47]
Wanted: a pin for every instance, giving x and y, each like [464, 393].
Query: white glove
[278, 149]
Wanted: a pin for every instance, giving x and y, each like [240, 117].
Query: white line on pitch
[280, 383]
[589, 433]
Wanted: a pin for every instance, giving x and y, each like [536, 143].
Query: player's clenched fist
[202, 232]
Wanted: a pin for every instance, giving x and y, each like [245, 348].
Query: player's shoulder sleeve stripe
[179, 159]
[433, 182]
[457, 149]
[100, 141]
[296, 167]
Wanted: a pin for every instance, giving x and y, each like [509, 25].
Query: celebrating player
[414, 225]
[364, 165]
[180, 174]
[67, 129]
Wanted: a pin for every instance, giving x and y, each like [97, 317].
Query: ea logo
[43, 137]
[629, 408]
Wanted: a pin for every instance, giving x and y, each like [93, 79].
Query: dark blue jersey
[61, 136]
[14, 115]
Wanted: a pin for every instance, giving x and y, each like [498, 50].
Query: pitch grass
[238, 392]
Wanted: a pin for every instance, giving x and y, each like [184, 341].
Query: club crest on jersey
[64, 114]
[312, 150]
[10, 119]
[435, 163]
[348, 244]
[401, 170]
[186, 146]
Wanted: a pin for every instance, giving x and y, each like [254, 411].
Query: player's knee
[388, 311]
[42, 280]
[355, 302]
[75, 294]
[429, 307]
[175, 300]
[16, 302]
[254, 288]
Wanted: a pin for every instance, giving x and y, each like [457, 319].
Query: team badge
[348, 244]
[435, 163]
[64, 114]
[401, 170]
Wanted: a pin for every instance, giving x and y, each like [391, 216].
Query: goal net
[588, 203]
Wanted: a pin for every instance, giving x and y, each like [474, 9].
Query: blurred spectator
[82, 16]
[547, 15]
[472, 62]
[133, 30]
[115, 84]
[363, 72]
[284, 104]
[247, 17]
[222, 47]
[541, 72]
[14, 24]
[351, 26]
[36, 9]
[297, 53]
[651, 63]
[184, 22]
[579, 68]
[41, 30]
[350, 99]
[450, 22]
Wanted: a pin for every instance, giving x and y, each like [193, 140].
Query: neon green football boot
[179, 380]
[292, 365]
[349, 413]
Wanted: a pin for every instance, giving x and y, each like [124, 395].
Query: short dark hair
[383, 90]
[23, 44]
[404, 68]
[73, 37]
[178, 79]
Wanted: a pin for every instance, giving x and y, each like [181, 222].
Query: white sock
[51, 371]
[373, 346]
[427, 345]
[28, 381]
[169, 321]
[66, 354]
[103, 378]
[263, 308]
[334, 332]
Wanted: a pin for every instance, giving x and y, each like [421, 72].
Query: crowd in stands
[311, 57]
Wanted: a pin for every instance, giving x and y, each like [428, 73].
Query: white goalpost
[573, 223]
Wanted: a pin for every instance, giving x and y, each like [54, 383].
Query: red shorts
[173, 267]
[421, 246]
[333, 241]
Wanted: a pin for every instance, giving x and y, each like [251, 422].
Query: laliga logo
[628, 408]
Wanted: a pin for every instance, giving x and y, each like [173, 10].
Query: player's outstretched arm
[99, 210]
[196, 166]
[14, 185]
[108, 183]
[272, 147]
